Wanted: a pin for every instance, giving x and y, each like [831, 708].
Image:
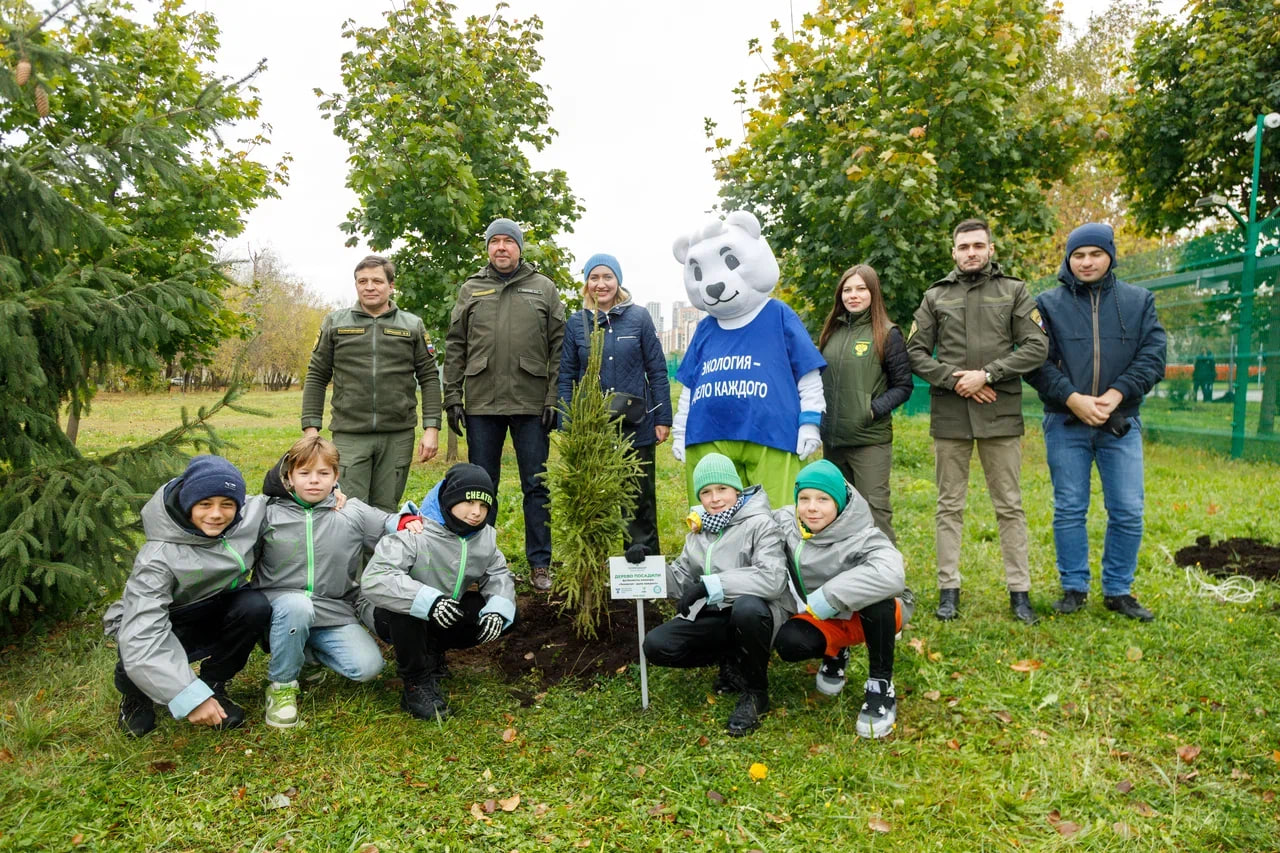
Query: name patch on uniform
[399, 333]
[349, 330]
[532, 290]
[1038, 320]
[861, 347]
[488, 292]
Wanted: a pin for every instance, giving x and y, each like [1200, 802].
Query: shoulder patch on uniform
[1038, 320]
[911, 334]
[426, 339]
[319, 337]
[488, 292]
[399, 333]
[349, 330]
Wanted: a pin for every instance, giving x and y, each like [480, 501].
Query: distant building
[655, 314]
[683, 321]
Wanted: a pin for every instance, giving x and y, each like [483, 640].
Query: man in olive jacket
[975, 334]
[501, 363]
[377, 356]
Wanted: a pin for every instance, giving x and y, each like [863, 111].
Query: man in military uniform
[377, 356]
[975, 334]
[501, 364]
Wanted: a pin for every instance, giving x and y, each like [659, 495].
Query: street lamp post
[1252, 229]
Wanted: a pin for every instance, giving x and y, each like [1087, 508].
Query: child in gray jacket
[731, 584]
[188, 599]
[419, 585]
[849, 579]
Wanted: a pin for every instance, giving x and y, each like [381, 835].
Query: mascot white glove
[809, 440]
[678, 425]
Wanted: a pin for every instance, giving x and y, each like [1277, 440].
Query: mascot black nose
[714, 290]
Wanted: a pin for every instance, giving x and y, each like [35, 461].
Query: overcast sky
[629, 83]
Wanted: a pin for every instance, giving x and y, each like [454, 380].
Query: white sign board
[638, 580]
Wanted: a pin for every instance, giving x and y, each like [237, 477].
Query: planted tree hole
[1238, 556]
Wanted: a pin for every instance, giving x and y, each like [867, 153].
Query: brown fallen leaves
[877, 824]
[1028, 665]
[509, 735]
[1065, 828]
[1187, 753]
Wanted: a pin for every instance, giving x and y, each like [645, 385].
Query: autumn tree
[881, 125]
[115, 185]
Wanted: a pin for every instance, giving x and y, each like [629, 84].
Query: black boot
[1127, 605]
[948, 604]
[137, 715]
[1020, 604]
[235, 714]
[746, 716]
[423, 700]
[1071, 601]
[728, 679]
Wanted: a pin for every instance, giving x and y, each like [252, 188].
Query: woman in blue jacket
[633, 368]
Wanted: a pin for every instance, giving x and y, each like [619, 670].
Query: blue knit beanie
[600, 259]
[209, 477]
[1093, 234]
[825, 477]
[507, 227]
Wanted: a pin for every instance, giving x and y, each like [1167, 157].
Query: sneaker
[752, 704]
[728, 679]
[540, 578]
[282, 704]
[1071, 601]
[235, 714]
[1127, 605]
[137, 715]
[423, 700]
[879, 712]
[830, 678]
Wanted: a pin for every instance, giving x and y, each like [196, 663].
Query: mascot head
[729, 269]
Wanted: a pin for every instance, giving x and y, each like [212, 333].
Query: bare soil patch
[1239, 556]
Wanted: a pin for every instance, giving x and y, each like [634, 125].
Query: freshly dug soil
[1241, 556]
[543, 645]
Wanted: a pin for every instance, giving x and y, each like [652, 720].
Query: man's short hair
[370, 261]
[972, 225]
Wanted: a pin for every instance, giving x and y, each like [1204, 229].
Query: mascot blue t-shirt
[742, 381]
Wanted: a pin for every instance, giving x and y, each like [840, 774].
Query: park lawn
[1088, 732]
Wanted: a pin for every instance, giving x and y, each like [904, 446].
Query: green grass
[1089, 738]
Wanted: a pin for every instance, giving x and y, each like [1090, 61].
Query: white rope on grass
[1237, 589]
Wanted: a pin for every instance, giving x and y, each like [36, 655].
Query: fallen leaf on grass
[1212, 509]
[240, 792]
[477, 812]
[1275, 756]
[620, 670]
[932, 695]
[757, 771]
[953, 744]
[1268, 796]
[1124, 786]
[703, 740]
[1065, 828]
[490, 806]
[510, 803]
[77, 839]
[716, 797]
[161, 766]
[1144, 809]
[279, 801]
[638, 770]
[917, 644]
[935, 656]
[508, 735]
[528, 655]
[540, 809]
[773, 818]
[5, 756]
[1188, 752]
[1133, 653]
[586, 842]
[1004, 717]
[1124, 830]
[1188, 777]
[291, 792]
[1026, 665]
[879, 825]
[368, 848]
[1237, 773]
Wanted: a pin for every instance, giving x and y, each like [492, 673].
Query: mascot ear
[746, 221]
[680, 248]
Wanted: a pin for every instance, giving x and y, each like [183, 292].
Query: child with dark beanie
[188, 599]
[420, 585]
[850, 583]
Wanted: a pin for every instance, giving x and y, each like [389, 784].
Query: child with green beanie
[849, 578]
[730, 583]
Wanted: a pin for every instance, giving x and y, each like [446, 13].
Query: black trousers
[485, 437]
[221, 631]
[418, 642]
[740, 635]
[801, 640]
[642, 526]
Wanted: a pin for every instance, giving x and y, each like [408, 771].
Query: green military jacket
[980, 321]
[853, 378]
[376, 364]
[502, 353]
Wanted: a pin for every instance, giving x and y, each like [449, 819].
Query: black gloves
[690, 597]
[457, 419]
[490, 627]
[445, 612]
[636, 553]
[548, 418]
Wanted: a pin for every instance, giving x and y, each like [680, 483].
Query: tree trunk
[73, 422]
[451, 448]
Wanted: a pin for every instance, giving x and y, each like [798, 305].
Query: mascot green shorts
[757, 465]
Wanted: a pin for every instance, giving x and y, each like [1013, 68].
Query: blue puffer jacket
[633, 362]
[1101, 336]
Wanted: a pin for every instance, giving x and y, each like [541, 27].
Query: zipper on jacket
[374, 373]
[311, 552]
[706, 563]
[800, 580]
[462, 570]
[1095, 298]
[243, 569]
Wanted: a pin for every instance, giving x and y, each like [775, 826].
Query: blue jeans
[1073, 449]
[346, 649]
[485, 437]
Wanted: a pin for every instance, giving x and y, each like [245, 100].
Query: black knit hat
[207, 477]
[465, 482]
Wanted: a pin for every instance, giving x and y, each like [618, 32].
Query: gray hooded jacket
[176, 566]
[746, 558]
[846, 566]
[319, 551]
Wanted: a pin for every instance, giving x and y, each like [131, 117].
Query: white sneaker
[282, 704]
[879, 712]
[830, 678]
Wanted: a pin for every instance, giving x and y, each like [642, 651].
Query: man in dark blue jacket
[1106, 352]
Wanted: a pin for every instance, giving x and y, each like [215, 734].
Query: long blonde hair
[880, 322]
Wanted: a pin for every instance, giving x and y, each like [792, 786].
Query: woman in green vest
[868, 375]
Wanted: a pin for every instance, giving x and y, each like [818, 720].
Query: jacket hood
[163, 519]
[757, 503]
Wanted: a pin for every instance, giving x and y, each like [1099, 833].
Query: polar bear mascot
[752, 376]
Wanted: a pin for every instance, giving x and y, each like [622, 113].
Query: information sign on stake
[639, 581]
